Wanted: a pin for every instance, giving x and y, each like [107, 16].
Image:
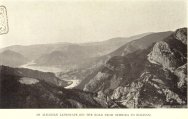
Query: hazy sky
[81, 21]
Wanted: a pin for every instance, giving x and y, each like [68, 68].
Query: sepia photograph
[93, 54]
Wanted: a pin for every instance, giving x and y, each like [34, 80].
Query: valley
[71, 82]
[143, 71]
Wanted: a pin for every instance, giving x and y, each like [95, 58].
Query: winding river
[31, 65]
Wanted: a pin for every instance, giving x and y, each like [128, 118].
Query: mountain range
[66, 53]
[144, 71]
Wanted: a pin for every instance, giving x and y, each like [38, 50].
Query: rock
[181, 73]
[171, 95]
[95, 84]
[117, 93]
[162, 54]
[181, 34]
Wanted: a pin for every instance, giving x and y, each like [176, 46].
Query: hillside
[139, 44]
[152, 75]
[11, 58]
[69, 56]
[29, 90]
[43, 76]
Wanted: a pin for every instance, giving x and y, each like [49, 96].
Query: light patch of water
[73, 84]
[31, 65]
[28, 81]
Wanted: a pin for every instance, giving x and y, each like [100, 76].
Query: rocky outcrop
[181, 34]
[128, 95]
[171, 52]
[163, 55]
[181, 73]
[98, 81]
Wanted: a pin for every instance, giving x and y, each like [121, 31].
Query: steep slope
[20, 90]
[152, 75]
[142, 43]
[11, 58]
[139, 44]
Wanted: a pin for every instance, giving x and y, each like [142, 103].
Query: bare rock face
[97, 82]
[170, 96]
[163, 55]
[171, 52]
[118, 92]
[127, 96]
[148, 91]
[181, 34]
[181, 73]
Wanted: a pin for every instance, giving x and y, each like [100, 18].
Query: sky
[78, 21]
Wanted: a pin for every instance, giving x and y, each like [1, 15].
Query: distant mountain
[81, 53]
[71, 55]
[48, 54]
[108, 46]
[34, 51]
[12, 58]
[149, 72]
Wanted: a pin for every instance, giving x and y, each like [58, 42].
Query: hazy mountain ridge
[12, 58]
[45, 54]
[85, 52]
